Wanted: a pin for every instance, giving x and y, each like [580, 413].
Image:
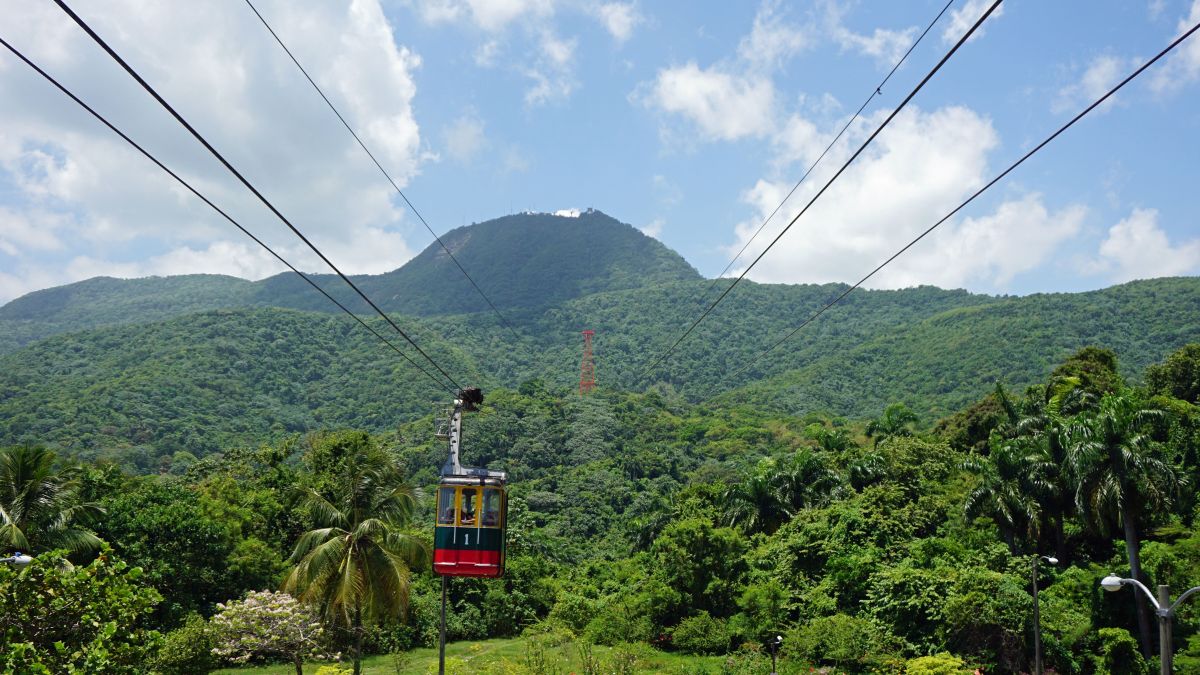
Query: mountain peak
[531, 260]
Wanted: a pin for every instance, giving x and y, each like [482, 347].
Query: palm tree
[1004, 493]
[356, 566]
[1117, 476]
[40, 508]
[804, 480]
[897, 420]
[754, 503]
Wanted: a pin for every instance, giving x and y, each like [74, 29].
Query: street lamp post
[774, 645]
[19, 559]
[1037, 614]
[1163, 608]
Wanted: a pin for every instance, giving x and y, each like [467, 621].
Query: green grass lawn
[501, 657]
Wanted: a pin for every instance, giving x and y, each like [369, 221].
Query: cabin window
[446, 506]
[470, 498]
[491, 507]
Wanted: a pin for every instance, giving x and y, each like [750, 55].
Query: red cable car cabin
[469, 536]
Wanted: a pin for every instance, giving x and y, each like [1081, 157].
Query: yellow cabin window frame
[455, 512]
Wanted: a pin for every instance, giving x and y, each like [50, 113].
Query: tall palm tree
[804, 480]
[1004, 493]
[40, 508]
[897, 420]
[755, 503]
[356, 566]
[1118, 478]
[1047, 432]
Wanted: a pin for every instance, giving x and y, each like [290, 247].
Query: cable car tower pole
[485, 485]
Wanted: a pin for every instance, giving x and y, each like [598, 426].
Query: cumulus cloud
[222, 71]
[1183, 66]
[921, 167]
[1137, 248]
[619, 18]
[962, 18]
[722, 106]
[553, 72]
[773, 40]
[654, 228]
[1100, 76]
[884, 45]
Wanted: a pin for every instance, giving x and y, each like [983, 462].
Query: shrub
[614, 625]
[268, 625]
[76, 619]
[1118, 653]
[701, 634]
[941, 664]
[187, 649]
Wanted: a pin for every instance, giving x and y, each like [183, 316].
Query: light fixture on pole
[1037, 614]
[1163, 608]
[775, 644]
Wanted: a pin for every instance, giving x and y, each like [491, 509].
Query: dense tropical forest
[139, 371]
[897, 544]
[214, 473]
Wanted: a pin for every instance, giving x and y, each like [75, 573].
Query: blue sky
[687, 120]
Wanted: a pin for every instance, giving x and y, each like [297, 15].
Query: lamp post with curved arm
[1163, 608]
[1037, 614]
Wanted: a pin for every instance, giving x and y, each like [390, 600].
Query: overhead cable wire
[49, 78]
[877, 91]
[970, 199]
[830, 182]
[221, 158]
[379, 166]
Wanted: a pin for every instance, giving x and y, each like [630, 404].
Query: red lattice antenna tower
[587, 371]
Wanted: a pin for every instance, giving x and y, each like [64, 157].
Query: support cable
[877, 91]
[221, 158]
[970, 199]
[49, 78]
[817, 196]
[386, 175]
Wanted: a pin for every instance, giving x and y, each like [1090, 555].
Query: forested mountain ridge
[528, 260]
[208, 380]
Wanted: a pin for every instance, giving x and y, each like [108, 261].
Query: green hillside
[206, 380]
[522, 261]
[104, 301]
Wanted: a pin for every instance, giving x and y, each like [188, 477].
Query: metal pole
[1037, 623]
[1166, 656]
[442, 634]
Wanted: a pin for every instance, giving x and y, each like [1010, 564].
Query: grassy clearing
[498, 656]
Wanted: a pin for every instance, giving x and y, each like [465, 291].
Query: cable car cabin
[469, 536]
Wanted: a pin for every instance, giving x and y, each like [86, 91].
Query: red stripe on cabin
[466, 563]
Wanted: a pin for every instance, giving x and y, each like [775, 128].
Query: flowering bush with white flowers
[268, 625]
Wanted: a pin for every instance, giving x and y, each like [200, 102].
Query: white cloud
[619, 18]
[464, 138]
[772, 41]
[33, 230]
[489, 15]
[964, 17]
[916, 171]
[1137, 248]
[1183, 66]
[239, 89]
[886, 46]
[1100, 76]
[721, 105]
